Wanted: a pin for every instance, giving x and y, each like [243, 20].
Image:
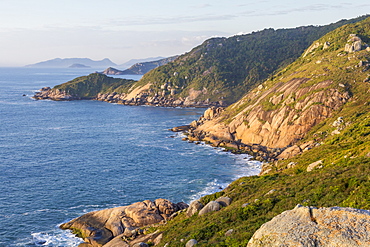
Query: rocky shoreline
[123, 225]
[142, 98]
[230, 143]
[130, 225]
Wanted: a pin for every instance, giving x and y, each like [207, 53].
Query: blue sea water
[59, 160]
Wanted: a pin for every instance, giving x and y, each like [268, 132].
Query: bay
[59, 160]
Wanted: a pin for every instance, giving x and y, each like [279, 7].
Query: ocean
[59, 160]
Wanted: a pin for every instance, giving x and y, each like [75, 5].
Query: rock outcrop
[100, 227]
[354, 44]
[280, 120]
[310, 226]
[197, 206]
[112, 71]
[138, 96]
[194, 207]
[210, 207]
[48, 93]
[272, 119]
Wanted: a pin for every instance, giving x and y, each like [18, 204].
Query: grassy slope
[344, 179]
[89, 86]
[229, 67]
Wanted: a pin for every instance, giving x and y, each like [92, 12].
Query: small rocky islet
[309, 122]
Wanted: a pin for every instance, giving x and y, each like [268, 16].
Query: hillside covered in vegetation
[216, 73]
[331, 162]
[224, 69]
[85, 87]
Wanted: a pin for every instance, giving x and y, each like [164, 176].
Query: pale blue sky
[38, 30]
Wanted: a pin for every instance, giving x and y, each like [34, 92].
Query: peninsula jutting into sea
[295, 99]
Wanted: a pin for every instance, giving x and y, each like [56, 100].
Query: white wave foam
[243, 167]
[55, 238]
[212, 187]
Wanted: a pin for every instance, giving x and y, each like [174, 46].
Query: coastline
[213, 110]
[141, 233]
[47, 93]
[45, 126]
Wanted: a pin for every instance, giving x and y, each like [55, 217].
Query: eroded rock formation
[48, 93]
[310, 226]
[271, 119]
[100, 227]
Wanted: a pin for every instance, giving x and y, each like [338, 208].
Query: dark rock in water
[181, 128]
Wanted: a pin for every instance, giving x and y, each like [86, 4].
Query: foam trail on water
[244, 167]
[212, 187]
[57, 238]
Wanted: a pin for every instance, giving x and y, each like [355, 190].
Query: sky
[37, 30]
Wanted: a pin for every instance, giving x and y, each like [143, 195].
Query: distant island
[69, 62]
[79, 66]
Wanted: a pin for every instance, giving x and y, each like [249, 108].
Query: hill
[85, 87]
[67, 62]
[139, 68]
[320, 102]
[221, 70]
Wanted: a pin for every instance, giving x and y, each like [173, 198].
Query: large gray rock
[314, 165]
[191, 243]
[100, 227]
[212, 112]
[116, 242]
[194, 207]
[224, 201]
[316, 227]
[210, 207]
